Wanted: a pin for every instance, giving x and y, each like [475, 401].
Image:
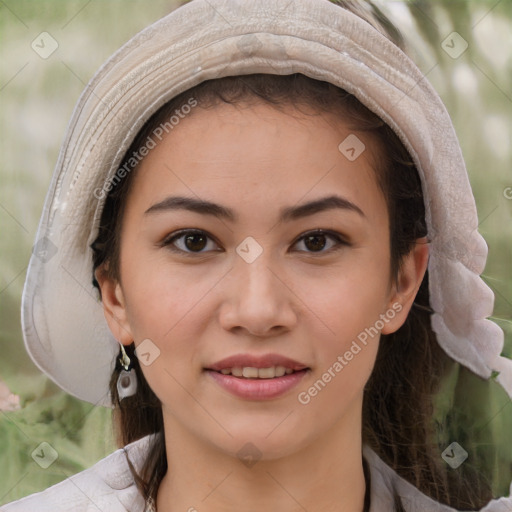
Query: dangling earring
[127, 380]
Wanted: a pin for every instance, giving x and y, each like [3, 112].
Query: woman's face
[255, 287]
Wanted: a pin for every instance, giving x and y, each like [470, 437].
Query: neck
[324, 476]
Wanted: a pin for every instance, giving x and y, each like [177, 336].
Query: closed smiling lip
[257, 377]
[252, 361]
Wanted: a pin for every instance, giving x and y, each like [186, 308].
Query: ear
[114, 307]
[410, 276]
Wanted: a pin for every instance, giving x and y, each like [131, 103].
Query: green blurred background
[37, 97]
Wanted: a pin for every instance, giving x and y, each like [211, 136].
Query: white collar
[384, 483]
[109, 485]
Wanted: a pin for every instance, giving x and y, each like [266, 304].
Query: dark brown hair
[399, 397]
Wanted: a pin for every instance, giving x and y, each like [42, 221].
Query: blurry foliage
[476, 89]
[79, 432]
[36, 100]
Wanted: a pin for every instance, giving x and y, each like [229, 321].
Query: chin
[264, 440]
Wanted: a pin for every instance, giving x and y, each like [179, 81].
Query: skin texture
[294, 299]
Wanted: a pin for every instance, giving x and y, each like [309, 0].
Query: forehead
[256, 153]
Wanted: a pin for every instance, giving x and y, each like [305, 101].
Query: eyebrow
[286, 214]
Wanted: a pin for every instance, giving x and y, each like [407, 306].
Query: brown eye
[195, 242]
[316, 241]
[188, 242]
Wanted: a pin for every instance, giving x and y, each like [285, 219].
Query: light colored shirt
[109, 486]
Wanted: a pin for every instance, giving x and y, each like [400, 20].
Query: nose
[258, 300]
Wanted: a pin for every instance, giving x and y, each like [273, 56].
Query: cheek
[345, 355]
[351, 308]
[169, 305]
[161, 307]
[162, 297]
[350, 298]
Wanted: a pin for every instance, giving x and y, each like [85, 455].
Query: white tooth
[226, 371]
[288, 371]
[267, 373]
[280, 371]
[237, 371]
[249, 372]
